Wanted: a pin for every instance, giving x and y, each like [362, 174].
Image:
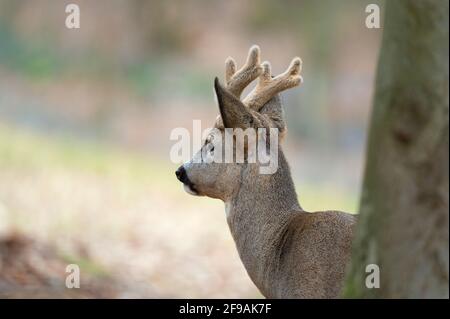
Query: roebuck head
[246, 133]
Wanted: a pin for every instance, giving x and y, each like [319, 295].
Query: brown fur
[287, 252]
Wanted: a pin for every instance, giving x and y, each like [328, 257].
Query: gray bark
[404, 212]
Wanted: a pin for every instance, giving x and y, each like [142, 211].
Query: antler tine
[268, 87]
[238, 80]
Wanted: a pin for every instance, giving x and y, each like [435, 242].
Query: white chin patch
[189, 190]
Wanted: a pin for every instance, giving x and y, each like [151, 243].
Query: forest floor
[29, 269]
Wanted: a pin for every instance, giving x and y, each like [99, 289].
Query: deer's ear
[233, 112]
[273, 109]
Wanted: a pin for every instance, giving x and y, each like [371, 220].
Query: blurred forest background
[85, 119]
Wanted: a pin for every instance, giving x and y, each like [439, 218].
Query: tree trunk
[404, 212]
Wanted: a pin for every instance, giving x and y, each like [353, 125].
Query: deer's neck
[258, 216]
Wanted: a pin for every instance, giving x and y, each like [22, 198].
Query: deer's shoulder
[322, 228]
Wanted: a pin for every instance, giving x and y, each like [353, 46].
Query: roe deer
[287, 252]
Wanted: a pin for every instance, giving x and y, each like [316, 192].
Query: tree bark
[404, 211]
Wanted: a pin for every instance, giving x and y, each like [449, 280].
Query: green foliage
[31, 59]
[30, 151]
[86, 265]
[152, 78]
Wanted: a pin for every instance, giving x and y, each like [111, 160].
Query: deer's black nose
[181, 174]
